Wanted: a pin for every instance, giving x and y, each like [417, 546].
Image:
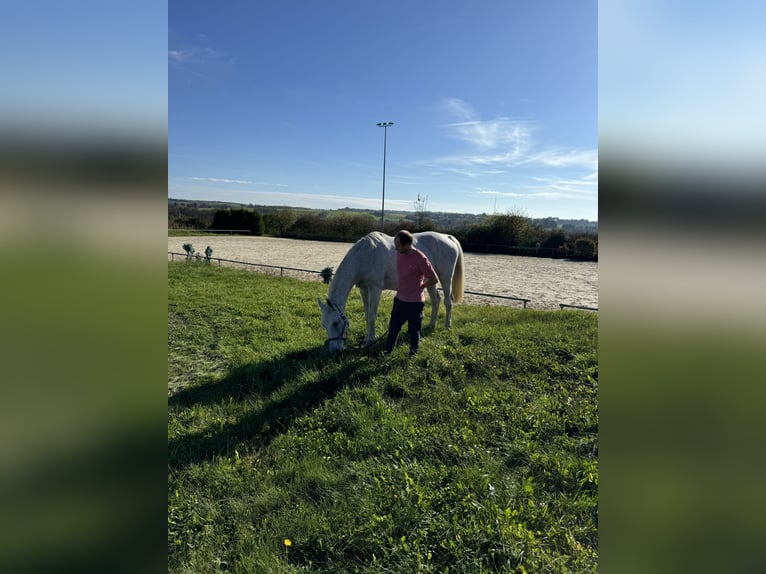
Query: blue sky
[683, 83]
[494, 104]
[84, 67]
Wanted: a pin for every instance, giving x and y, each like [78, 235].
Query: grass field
[479, 455]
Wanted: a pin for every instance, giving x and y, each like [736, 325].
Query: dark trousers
[404, 312]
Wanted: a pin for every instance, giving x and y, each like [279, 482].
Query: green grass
[479, 455]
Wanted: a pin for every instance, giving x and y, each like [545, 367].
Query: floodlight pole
[385, 126]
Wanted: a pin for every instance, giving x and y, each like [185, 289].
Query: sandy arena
[547, 283]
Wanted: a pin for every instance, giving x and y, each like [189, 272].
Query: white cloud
[221, 180]
[179, 189]
[486, 134]
[584, 188]
[177, 56]
[500, 193]
[549, 188]
[460, 108]
[198, 61]
[503, 143]
[556, 157]
[237, 181]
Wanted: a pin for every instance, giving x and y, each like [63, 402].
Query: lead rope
[360, 347]
[344, 332]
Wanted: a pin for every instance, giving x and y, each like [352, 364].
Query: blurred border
[682, 277]
[83, 202]
[83, 217]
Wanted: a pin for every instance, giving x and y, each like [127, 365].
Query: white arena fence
[309, 274]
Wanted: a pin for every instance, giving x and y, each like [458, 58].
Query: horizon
[408, 211]
[494, 106]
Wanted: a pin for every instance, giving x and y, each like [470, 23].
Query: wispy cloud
[574, 188]
[195, 55]
[501, 143]
[556, 157]
[295, 199]
[176, 56]
[221, 180]
[548, 187]
[500, 193]
[236, 181]
[403, 179]
[506, 133]
[504, 157]
[199, 61]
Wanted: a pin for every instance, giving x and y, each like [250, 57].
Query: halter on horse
[338, 325]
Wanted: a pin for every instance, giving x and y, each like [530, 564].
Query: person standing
[414, 274]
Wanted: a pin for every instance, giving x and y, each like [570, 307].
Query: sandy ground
[546, 282]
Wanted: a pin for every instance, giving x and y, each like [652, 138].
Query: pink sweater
[411, 269]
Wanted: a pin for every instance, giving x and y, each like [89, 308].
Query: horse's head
[334, 320]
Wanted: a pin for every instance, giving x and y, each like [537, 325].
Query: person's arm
[428, 282]
[429, 275]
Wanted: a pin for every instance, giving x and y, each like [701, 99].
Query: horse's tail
[457, 276]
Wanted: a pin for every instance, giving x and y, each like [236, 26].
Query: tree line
[508, 233]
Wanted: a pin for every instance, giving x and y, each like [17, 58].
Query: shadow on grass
[262, 384]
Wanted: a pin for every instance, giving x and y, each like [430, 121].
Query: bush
[239, 219]
[556, 239]
[507, 229]
[585, 248]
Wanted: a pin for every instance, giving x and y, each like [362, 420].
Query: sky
[84, 67]
[683, 82]
[493, 104]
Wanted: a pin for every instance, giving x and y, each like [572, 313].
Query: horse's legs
[433, 293]
[448, 309]
[363, 291]
[371, 301]
[447, 286]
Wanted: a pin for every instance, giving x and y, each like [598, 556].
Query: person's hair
[404, 237]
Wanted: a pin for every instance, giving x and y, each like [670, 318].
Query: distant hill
[568, 225]
[442, 220]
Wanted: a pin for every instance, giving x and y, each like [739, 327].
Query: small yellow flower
[288, 542]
